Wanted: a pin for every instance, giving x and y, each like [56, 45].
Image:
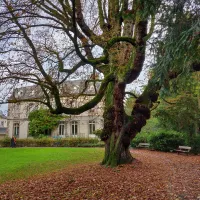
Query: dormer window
[19, 93]
[91, 88]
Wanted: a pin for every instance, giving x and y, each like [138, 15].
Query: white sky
[4, 108]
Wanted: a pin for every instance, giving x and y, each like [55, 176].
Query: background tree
[47, 42]
[42, 122]
[179, 108]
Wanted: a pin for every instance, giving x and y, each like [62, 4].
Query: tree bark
[116, 142]
[120, 129]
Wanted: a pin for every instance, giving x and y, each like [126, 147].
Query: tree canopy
[42, 121]
[179, 107]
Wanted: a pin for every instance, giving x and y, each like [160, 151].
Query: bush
[166, 140]
[140, 138]
[28, 142]
[52, 142]
[194, 142]
[99, 144]
[41, 121]
[75, 142]
[42, 136]
[5, 142]
[98, 132]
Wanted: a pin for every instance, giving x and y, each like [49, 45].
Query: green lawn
[19, 163]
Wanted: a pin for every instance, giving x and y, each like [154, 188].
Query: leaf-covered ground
[152, 176]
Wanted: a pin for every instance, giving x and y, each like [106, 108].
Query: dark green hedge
[166, 140]
[140, 138]
[51, 142]
[194, 142]
[163, 140]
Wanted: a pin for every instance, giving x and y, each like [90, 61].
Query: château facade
[3, 125]
[81, 125]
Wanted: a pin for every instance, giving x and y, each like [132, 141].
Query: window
[16, 111]
[16, 129]
[91, 88]
[2, 123]
[74, 127]
[91, 126]
[62, 128]
[47, 132]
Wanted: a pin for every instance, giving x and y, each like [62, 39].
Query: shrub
[98, 132]
[5, 142]
[52, 142]
[140, 138]
[25, 142]
[41, 136]
[166, 140]
[45, 142]
[29, 142]
[42, 121]
[75, 142]
[99, 144]
[194, 142]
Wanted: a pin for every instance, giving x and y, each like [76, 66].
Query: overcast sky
[4, 108]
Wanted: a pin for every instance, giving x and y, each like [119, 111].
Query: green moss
[114, 40]
[105, 159]
[112, 160]
[128, 16]
[109, 96]
[103, 59]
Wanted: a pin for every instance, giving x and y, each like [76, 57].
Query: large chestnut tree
[109, 42]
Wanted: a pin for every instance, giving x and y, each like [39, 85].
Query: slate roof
[70, 88]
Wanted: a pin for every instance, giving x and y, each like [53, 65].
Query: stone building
[71, 126]
[3, 125]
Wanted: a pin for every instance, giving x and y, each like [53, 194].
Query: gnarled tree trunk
[116, 151]
[119, 129]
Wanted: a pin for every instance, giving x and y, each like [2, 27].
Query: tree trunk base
[126, 157]
[114, 159]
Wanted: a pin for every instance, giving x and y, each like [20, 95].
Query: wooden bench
[183, 149]
[143, 145]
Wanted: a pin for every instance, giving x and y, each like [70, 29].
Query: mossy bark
[116, 152]
[116, 143]
[119, 129]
